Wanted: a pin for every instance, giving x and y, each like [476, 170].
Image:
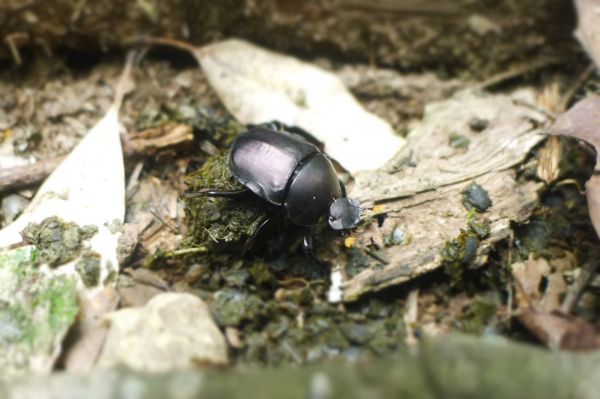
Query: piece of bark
[27, 175]
[146, 143]
[420, 190]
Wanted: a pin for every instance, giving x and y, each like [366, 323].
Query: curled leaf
[582, 122]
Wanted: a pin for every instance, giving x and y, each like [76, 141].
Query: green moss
[459, 252]
[60, 296]
[88, 267]
[37, 310]
[482, 309]
[221, 222]
[459, 141]
[232, 307]
[481, 228]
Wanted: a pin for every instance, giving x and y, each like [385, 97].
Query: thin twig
[516, 72]
[165, 41]
[582, 280]
[579, 82]
[27, 175]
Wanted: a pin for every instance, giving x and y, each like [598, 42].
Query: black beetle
[285, 167]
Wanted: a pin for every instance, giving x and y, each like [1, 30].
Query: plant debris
[57, 241]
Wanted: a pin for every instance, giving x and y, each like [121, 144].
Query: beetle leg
[342, 188]
[307, 246]
[255, 234]
[218, 193]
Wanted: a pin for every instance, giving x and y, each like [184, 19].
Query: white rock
[174, 331]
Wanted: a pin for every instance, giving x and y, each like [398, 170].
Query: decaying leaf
[582, 122]
[420, 190]
[86, 196]
[257, 86]
[540, 287]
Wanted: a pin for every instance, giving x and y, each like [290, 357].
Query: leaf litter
[285, 318]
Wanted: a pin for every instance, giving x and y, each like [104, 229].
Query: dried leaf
[258, 85]
[529, 275]
[582, 122]
[539, 306]
[533, 292]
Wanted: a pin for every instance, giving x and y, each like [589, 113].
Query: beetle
[285, 167]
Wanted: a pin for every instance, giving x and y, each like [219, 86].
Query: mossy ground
[36, 311]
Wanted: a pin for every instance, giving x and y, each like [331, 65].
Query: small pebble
[478, 125]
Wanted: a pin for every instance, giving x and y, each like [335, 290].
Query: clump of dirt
[218, 222]
[57, 241]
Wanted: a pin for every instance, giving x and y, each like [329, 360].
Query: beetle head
[344, 213]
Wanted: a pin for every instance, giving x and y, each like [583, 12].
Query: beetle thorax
[312, 189]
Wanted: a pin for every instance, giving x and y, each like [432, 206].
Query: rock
[12, 206]
[36, 312]
[174, 331]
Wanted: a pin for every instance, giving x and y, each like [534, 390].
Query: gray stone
[174, 331]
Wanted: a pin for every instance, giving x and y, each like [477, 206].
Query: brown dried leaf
[582, 122]
[532, 293]
[528, 275]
